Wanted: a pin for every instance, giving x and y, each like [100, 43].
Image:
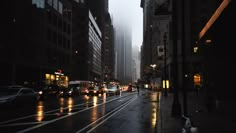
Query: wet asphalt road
[128, 112]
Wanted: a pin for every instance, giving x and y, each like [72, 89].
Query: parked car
[17, 95]
[113, 90]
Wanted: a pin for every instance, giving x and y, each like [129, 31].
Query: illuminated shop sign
[59, 72]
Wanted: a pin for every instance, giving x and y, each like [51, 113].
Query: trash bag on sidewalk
[188, 126]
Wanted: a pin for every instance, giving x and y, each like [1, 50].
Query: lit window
[197, 79]
[195, 49]
[208, 41]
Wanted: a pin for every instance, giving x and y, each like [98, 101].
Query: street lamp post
[176, 106]
[153, 66]
[183, 60]
[165, 69]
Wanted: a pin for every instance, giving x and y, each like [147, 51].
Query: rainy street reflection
[154, 100]
[70, 104]
[104, 98]
[95, 101]
[154, 114]
[40, 111]
[61, 102]
[86, 98]
[95, 109]
[66, 106]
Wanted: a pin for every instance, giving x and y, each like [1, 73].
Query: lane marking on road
[62, 117]
[20, 124]
[110, 116]
[112, 113]
[47, 112]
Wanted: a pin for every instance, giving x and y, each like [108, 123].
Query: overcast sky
[130, 12]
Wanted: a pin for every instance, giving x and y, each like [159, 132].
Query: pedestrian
[138, 88]
[130, 88]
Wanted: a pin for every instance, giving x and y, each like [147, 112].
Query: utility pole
[183, 60]
[176, 106]
[165, 66]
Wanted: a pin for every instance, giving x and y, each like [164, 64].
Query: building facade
[157, 45]
[87, 44]
[50, 41]
[41, 43]
[108, 50]
[198, 31]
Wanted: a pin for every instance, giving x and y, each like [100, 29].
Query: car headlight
[40, 92]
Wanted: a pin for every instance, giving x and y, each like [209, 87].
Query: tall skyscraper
[123, 41]
[123, 47]
[136, 63]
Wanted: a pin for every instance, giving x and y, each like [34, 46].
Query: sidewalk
[220, 120]
[167, 123]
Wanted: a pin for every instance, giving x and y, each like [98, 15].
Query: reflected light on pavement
[94, 111]
[103, 109]
[70, 104]
[154, 114]
[95, 101]
[40, 111]
[61, 105]
[86, 97]
[104, 97]
[155, 100]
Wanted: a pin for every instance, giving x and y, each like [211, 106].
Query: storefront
[57, 78]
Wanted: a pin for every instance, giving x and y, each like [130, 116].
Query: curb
[159, 115]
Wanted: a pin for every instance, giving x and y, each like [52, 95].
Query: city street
[117, 66]
[128, 112]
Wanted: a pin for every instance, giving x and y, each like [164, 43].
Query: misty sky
[130, 13]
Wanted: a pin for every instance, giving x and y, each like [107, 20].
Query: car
[113, 90]
[46, 91]
[132, 88]
[125, 87]
[81, 86]
[103, 89]
[70, 91]
[94, 90]
[17, 95]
